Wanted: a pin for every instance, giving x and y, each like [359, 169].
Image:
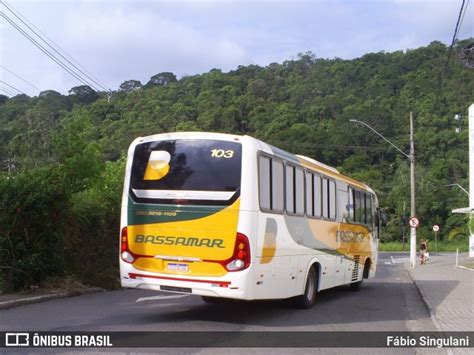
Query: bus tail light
[126, 255]
[241, 257]
[124, 240]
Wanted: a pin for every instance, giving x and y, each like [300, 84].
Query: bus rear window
[186, 169]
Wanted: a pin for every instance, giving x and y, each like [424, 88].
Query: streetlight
[411, 158]
[462, 188]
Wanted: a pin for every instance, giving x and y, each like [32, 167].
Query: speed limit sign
[435, 228]
[414, 222]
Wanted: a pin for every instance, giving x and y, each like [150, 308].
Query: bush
[92, 229]
[51, 231]
[32, 206]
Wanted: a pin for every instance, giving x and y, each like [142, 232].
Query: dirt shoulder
[53, 289]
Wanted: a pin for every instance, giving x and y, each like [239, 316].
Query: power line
[445, 69]
[45, 51]
[11, 86]
[329, 146]
[5, 90]
[19, 77]
[72, 61]
[50, 46]
[462, 18]
[57, 57]
[456, 30]
[464, 52]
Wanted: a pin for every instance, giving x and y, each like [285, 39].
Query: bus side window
[264, 183]
[270, 184]
[299, 191]
[364, 209]
[332, 199]
[342, 197]
[350, 205]
[325, 198]
[357, 207]
[277, 186]
[309, 194]
[289, 188]
[317, 195]
[368, 199]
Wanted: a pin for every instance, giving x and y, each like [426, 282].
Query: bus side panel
[288, 245]
[284, 255]
[276, 263]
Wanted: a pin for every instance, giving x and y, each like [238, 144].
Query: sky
[119, 40]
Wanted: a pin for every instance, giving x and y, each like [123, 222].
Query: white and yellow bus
[228, 216]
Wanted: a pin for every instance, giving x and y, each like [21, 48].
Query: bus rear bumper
[225, 287]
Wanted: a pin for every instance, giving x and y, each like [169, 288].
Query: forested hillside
[62, 157]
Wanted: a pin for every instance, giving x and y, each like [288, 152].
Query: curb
[427, 303]
[47, 297]
[463, 267]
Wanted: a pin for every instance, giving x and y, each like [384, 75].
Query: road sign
[436, 230]
[414, 222]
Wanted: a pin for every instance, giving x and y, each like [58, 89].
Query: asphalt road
[388, 302]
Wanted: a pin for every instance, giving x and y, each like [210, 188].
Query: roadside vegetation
[62, 157]
[443, 246]
[469, 265]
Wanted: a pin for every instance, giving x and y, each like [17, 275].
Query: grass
[469, 265]
[443, 246]
[393, 246]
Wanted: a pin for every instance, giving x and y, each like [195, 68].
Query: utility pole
[411, 158]
[469, 210]
[404, 220]
[471, 180]
[412, 194]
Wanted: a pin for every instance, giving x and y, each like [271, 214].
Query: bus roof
[318, 166]
[298, 159]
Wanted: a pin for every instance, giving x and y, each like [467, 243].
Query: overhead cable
[456, 30]
[445, 69]
[45, 51]
[462, 17]
[5, 90]
[54, 46]
[11, 86]
[19, 77]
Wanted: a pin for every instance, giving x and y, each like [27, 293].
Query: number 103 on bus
[221, 153]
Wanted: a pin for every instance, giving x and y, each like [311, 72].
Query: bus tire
[308, 298]
[355, 286]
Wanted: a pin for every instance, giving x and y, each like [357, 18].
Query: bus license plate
[177, 267]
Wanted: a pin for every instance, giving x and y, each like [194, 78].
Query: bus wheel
[355, 286]
[307, 299]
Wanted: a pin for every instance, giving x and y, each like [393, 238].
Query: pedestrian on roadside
[423, 251]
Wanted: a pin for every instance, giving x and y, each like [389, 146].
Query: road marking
[399, 260]
[157, 298]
